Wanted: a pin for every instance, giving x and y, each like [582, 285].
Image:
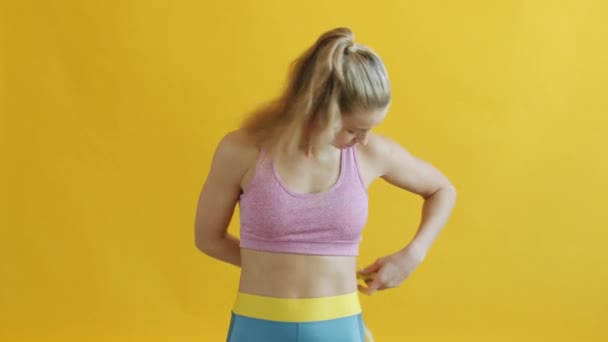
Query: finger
[366, 277]
[374, 285]
[371, 268]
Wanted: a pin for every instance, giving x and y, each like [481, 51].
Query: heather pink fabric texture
[275, 219]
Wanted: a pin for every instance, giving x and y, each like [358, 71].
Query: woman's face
[356, 127]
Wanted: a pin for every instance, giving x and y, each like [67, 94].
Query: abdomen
[286, 275]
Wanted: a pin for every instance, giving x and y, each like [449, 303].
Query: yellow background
[111, 111]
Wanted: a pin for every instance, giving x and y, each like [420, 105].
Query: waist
[297, 309]
[296, 276]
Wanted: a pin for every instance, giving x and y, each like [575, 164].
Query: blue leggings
[247, 329]
[266, 319]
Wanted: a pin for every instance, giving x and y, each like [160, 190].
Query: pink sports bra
[275, 219]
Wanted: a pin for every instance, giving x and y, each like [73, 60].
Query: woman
[299, 168]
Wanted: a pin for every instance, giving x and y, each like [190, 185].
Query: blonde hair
[333, 77]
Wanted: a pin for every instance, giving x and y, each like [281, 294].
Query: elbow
[202, 247]
[209, 245]
[446, 190]
[451, 188]
[449, 191]
[209, 249]
[202, 243]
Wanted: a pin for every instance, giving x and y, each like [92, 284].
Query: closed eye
[358, 130]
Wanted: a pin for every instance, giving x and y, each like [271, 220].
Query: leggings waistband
[297, 309]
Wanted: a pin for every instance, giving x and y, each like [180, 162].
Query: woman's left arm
[400, 168]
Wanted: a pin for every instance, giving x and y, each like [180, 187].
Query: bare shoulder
[379, 151]
[237, 141]
[236, 149]
[379, 146]
[399, 167]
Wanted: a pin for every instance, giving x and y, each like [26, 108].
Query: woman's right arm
[219, 196]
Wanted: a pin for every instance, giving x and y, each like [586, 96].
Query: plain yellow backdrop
[111, 111]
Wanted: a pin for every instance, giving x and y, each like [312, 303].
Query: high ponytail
[333, 77]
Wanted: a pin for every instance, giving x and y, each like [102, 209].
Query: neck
[321, 153]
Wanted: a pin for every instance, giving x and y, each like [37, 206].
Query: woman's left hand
[390, 271]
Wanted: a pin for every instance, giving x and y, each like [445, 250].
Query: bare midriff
[286, 275]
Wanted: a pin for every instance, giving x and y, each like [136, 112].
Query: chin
[342, 146]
